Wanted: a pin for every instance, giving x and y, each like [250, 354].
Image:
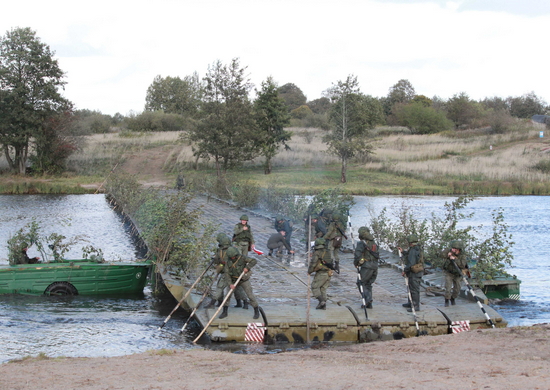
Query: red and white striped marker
[257, 251]
[255, 331]
[460, 326]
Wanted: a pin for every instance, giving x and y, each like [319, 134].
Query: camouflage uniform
[242, 235]
[366, 259]
[220, 260]
[236, 263]
[278, 241]
[283, 224]
[321, 264]
[453, 277]
[333, 234]
[414, 256]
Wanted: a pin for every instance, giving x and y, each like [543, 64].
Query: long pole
[219, 308]
[186, 295]
[308, 283]
[198, 305]
[359, 284]
[471, 290]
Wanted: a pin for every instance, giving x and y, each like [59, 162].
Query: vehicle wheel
[61, 288]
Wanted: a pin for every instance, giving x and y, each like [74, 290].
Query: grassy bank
[467, 162]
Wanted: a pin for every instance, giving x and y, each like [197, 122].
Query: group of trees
[31, 105]
[218, 114]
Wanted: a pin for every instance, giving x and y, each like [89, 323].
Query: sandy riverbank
[510, 358]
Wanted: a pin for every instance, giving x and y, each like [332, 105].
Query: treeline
[165, 110]
[223, 115]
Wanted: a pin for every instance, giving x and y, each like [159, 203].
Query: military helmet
[224, 241]
[24, 245]
[412, 238]
[279, 217]
[457, 244]
[363, 229]
[220, 237]
[244, 217]
[232, 252]
[364, 233]
[320, 241]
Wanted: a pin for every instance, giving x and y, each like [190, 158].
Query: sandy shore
[509, 358]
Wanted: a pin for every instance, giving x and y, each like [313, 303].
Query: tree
[30, 79]
[351, 115]
[292, 95]
[271, 118]
[462, 110]
[527, 105]
[400, 93]
[227, 130]
[319, 106]
[421, 119]
[174, 95]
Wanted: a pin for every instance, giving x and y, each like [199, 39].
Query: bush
[492, 253]
[543, 166]
[157, 121]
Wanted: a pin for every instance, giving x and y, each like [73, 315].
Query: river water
[528, 218]
[80, 326]
[87, 326]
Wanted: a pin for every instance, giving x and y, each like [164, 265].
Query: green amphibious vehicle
[74, 277]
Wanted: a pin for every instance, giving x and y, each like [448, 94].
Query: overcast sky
[112, 50]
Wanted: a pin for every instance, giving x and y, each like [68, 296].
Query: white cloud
[111, 51]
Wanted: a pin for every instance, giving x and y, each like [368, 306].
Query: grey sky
[112, 50]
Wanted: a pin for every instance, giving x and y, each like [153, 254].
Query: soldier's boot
[322, 305]
[337, 267]
[270, 252]
[211, 304]
[239, 303]
[219, 302]
[446, 302]
[453, 301]
[408, 304]
[369, 305]
[224, 312]
[245, 304]
[256, 313]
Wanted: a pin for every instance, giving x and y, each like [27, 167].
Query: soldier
[413, 270]
[242, 235]
[278, 241]
[453, 276]
[321, 264]
[319, 225]
[286, 225]
[237, 264]
[366, 257]
[24, 257]
[220, 260]
[334, 238]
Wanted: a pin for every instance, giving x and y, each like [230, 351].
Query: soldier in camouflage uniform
[285, 225]
[321, 264]
[242, 235]
[453, 277]
[413, 270]
[366, 259]
[334, 239]
[220, 260]
[235, 265]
